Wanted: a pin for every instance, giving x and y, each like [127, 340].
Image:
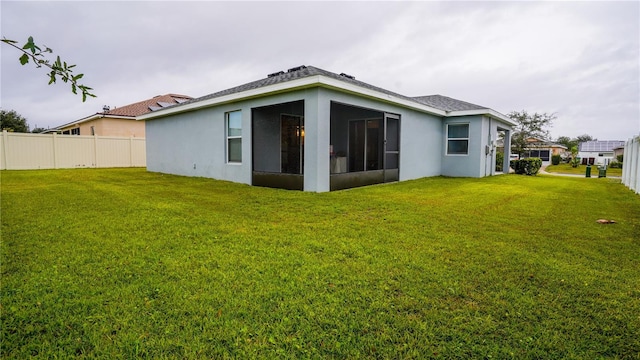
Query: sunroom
[364, 146]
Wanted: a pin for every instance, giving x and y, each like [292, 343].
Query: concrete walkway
[594, 173]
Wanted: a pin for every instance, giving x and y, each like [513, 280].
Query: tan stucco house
[120, 121]
[543, 149]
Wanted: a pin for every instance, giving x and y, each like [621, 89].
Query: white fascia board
[488, 112]
[261, 91]
[373, 94]
[307, 82]
[93, 117]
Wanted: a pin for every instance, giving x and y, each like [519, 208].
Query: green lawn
[581, 170]
[122, 263]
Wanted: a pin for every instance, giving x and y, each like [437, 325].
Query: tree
[528, 126]
[585, 138]
[58, 68]
[37, 130]
[566, 142]
[574, 157]
[13, 122]
[571, 142]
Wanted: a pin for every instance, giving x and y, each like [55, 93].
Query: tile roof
[146, 106]
[447, 104]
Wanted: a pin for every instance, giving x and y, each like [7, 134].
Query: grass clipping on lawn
[123, 263]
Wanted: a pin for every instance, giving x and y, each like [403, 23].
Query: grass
[122, 263]
[581, 170]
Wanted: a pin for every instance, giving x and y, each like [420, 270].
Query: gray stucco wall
[470, 165]
[483, 132]
[194, 143]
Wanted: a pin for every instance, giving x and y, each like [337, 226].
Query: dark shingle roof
[447, 104]
[299, 73]
[438, 102]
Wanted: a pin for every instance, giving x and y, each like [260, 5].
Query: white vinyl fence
[631, 164]
[24, 151]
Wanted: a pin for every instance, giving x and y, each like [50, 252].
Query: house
[119, 121]
[314, 130]
[617, 151]
[598, 152]
[543, 149]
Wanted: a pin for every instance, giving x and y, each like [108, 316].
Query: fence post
[130, 151]
[55, 150]
[635, 164]
[5, 146]
[95, 150]
[626, 163]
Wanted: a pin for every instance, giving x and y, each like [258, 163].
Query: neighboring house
[543, 149]
[618, 150]
[120, 121]
[598, 152]
[314, 130]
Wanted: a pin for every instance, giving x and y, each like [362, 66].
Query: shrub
[620, 158]
[575, 162]
[499, 161]
[615, 165]
[529, 166]
[555, 159]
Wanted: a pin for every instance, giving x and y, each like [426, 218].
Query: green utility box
[602, 171]
[588, 173]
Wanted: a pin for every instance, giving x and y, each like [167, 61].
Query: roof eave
[306, 82]
[94, 117]
[489, 112]
[377, 95]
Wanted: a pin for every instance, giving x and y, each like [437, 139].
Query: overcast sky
[579, 60]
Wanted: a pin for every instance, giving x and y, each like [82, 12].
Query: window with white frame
[75, 131]
[457, 139]
[234, 136]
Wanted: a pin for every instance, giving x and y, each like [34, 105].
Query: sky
[577, 60]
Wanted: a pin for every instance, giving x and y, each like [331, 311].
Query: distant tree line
[14, 122]
[571, 142]
[536, 126]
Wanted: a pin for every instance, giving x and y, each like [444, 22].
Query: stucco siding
[110, 127]
[469, 165]
[194, 143]
[316, 142]
[481, 158]
[119, 127]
